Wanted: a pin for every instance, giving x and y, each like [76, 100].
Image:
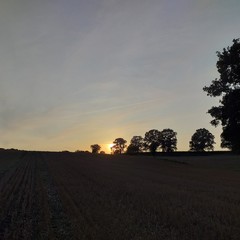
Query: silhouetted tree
[136, 145]
[152, 140]
[201, 140]
[119, 146]
[95, 148]
[228, 88]
[168, 140]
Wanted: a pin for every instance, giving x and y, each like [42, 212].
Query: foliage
[228, 88]
[152, 140]
[119, 146]
[201, 140]
[136, 145]
[95, 148]
[168, 140]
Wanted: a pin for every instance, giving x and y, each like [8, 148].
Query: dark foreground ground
[84, 196]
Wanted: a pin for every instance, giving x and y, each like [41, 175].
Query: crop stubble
[114, 197]
[30, 206]
[84, 196]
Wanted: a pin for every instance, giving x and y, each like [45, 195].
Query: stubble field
[85, 196]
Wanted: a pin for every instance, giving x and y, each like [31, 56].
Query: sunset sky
[79, 72]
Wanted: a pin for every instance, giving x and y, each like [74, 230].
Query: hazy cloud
[68, 67]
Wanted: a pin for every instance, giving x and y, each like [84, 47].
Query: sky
[78, 72]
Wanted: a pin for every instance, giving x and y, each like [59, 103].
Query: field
[84, 196]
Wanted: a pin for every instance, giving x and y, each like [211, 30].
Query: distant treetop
[119, 146]
[95, 148]
[201, 140]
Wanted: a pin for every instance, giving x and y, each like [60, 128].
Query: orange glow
[107, 147]
[110, 145]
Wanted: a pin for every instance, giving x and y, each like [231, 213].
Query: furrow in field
[16, 194]
[82, 219]
[30, 205]
[122, 200]
[93, 207]
[59, 225]
[51, 196]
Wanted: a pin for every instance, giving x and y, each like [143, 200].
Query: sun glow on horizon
[110, 145]
[106, 147]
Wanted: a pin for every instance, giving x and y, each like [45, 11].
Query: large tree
[95, 148]
[168, 140]
[152, 140]
[136, 145]
[119, 145]
[227, 87]
[201, 140]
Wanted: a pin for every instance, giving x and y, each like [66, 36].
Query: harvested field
[30, 206]
[85, 196]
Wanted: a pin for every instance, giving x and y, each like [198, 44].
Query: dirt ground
[86, 196]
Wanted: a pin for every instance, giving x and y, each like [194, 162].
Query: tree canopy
[168, 140]
[119, 145]
[201, 140]
[152, 140]
[95, 148]
[228, 88]
[136, 145]
[165, 139]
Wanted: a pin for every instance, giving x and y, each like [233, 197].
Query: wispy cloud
[117, 67]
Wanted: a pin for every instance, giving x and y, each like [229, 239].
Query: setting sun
[110, 145]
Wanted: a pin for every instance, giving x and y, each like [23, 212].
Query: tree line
[154, 140]
[227, 88]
